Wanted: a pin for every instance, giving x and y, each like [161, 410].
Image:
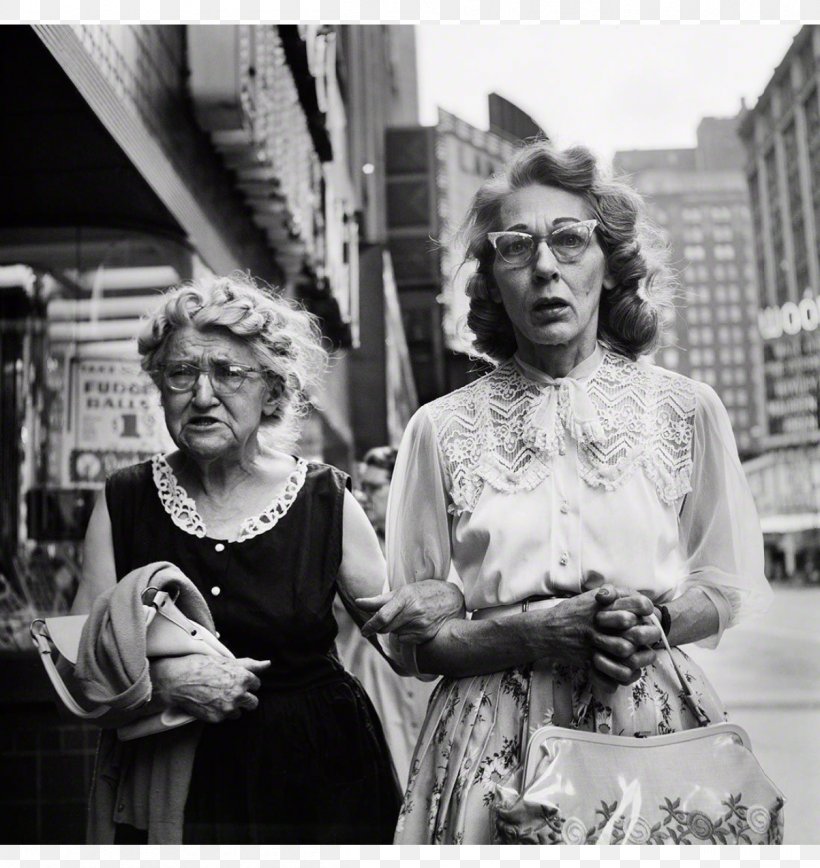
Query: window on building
[720, 214]
[693, 235]
[691, 215]
[724, 251]
[734, 292]
[721, 294]
[708, 376]
[735, 313]
[708, 356]
[742, 394]
[697, 373]
[743, 418]
[703, 274]
[722, 233]
[671, 358]
[708, 334]
[725, 354]
[739, 355]
[723, 331]
[732, 271]
[694, 336]
[719, 271]
[694, 252]
[737, 334]
[720, 313]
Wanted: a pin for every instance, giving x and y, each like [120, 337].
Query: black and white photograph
[410, 432]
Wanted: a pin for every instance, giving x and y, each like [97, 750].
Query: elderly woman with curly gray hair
[576, 488]
[292, 751]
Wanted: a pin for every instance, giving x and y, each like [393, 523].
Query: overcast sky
[610, 87]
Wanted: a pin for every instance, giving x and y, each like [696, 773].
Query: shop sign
[116, 420]
[791, 367]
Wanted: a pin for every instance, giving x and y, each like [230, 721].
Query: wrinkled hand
[209, 688]
[605, 626]
[623, 635]
[414, 612]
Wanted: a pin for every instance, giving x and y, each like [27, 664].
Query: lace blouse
[531, 485]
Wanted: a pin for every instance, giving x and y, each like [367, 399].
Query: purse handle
[688, 697]
[39, 633]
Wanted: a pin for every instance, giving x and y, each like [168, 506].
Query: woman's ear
[492, 288]
[275, 389]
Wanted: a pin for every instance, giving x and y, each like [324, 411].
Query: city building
[698, 197]
[377, 69]
[432, 174]
[781, 137]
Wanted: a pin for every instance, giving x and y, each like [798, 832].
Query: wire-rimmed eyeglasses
[226, 377]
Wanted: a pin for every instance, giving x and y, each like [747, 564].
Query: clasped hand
[621, 636]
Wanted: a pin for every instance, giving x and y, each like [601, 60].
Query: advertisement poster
[116, 420]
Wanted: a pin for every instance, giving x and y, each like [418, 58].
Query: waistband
[527, 605]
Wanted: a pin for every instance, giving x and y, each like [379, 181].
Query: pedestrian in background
[401, 703]
[576, 488]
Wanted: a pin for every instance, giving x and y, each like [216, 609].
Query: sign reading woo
[116, 420]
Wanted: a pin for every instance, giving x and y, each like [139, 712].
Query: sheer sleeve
[418, 526]
[719, 525]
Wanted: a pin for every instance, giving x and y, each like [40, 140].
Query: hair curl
[629, 317]
[285, 339]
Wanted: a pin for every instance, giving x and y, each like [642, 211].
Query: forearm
[693, 617]
[462, 647]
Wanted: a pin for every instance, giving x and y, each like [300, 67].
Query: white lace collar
[508, 427]
[183, 512]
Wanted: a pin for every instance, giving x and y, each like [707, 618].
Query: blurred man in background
[400, 702]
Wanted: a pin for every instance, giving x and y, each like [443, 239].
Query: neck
[220, 475]
[556, 360]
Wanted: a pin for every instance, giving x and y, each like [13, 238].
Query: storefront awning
[790, 523]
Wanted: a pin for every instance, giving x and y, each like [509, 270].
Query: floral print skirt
[477, 728]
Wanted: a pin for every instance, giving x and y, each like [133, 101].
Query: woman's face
[550, 303]
[202, 422]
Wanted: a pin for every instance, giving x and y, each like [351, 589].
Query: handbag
[168, 633]
[699, 786]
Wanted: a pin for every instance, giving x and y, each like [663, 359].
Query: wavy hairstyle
[629, 317]
[285, 339]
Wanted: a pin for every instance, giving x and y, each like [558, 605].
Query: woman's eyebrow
[559, 221]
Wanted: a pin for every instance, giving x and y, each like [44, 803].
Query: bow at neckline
[563, 405]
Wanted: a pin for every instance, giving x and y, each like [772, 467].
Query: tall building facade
[781, 136]
[433, 173]
[698, 197]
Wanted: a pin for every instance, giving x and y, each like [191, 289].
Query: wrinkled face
[549, 303]
[201, 422]
[375, 486]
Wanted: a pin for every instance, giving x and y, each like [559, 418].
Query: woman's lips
[549, 308]
[203, 422]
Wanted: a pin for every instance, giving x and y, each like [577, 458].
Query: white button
[216, 590]
[220, 547]
[564, 560]
[216, 634]
[564, 507]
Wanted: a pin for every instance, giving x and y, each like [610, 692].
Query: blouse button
[564, 507]
[220, 547]
[564, 560]
[216, 590]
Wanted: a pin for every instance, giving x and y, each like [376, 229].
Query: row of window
[730, 271]
[696, 235]
[697, 252]
[718, 213]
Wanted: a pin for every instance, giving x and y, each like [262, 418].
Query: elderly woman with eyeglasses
[295, 752]
[577, 488]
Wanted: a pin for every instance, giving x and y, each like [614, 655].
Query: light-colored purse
[699, 786]
[168, 633]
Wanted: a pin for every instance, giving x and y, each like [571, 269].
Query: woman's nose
[546, 265]
[203, 390]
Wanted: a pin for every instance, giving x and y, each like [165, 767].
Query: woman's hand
[607, 627]
[414, 612]
[209, 688]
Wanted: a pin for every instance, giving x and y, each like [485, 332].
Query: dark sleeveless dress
[310, 764]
